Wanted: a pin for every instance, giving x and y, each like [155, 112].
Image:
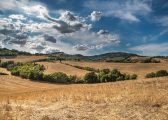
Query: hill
[121, 57]
[145, 99]
[11, 53]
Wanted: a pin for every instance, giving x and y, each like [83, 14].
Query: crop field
[141, 69]
[52, 67]
[23, 58]
[142, 99]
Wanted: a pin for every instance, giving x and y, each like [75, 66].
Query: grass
[141, 69]
[144, 99]
[24, 58]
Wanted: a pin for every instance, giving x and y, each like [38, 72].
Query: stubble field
[142, 99]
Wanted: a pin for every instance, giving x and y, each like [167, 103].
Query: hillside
[145, 99]
[120, 57]
[11, 53]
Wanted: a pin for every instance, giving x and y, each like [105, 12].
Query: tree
[91, 78]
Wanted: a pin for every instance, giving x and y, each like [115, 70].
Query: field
[141, 69]
[24, 58]
[52, 67]
[142, 99]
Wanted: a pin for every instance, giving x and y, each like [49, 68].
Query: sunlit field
[138, 99]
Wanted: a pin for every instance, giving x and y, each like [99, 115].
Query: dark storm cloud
[65, 27]
[50, 38]
[6, 31]
[81, 47]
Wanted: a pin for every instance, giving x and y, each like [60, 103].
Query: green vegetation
[6, 64]
[159, 73]
[6, 52]
[106, 75]
[58, 77]
[29, 71]
[34, 71]
[91, 78]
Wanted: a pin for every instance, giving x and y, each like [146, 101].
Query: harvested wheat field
[141, 69]
[145, 99]
[52, 67]
[24, 58]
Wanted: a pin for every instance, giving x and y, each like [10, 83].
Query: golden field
[23, 58]
[141, 69]
[142, 99]
[52, 67]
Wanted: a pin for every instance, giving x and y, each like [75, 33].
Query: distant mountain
[107, 57]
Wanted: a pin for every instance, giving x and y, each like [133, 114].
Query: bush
[58, 77]
[114, 75]
[150, 75]
[133, 77]
[91, 78]
[105, 71]
[6, 64]
[29, 71]
[161, 73]
[73, 79]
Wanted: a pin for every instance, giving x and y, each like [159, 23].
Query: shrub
[104, 78]
[150, 75]
[114, 75]
[127, 77]
[133, 77]
[105, 71]
[6, 64]
[161, 73]
[58, 77]
[29, 71]
[91, 78]
[73, 79]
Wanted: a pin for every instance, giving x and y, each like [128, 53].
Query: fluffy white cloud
[152, 49]
[67, 22]
[92, 40]
[17, 17]
[37, 10]
[34, 30]
[95, 16]
[128, 10]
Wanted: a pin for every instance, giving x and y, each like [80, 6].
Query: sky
[85, 27]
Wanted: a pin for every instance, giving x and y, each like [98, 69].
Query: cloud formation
[152, 49]
[32, 27]
[95, 16]
[128, 10]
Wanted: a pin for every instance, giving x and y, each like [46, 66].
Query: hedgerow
[160, 73]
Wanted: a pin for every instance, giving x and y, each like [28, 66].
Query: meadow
[141, 99]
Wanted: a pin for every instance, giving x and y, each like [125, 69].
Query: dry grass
[145, 99]
[142, 99]
[24, 58]
[141, 69]
[52, 67]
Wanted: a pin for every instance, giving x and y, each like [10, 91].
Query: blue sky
[85, 26]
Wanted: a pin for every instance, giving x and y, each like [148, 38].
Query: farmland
[138, 99]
